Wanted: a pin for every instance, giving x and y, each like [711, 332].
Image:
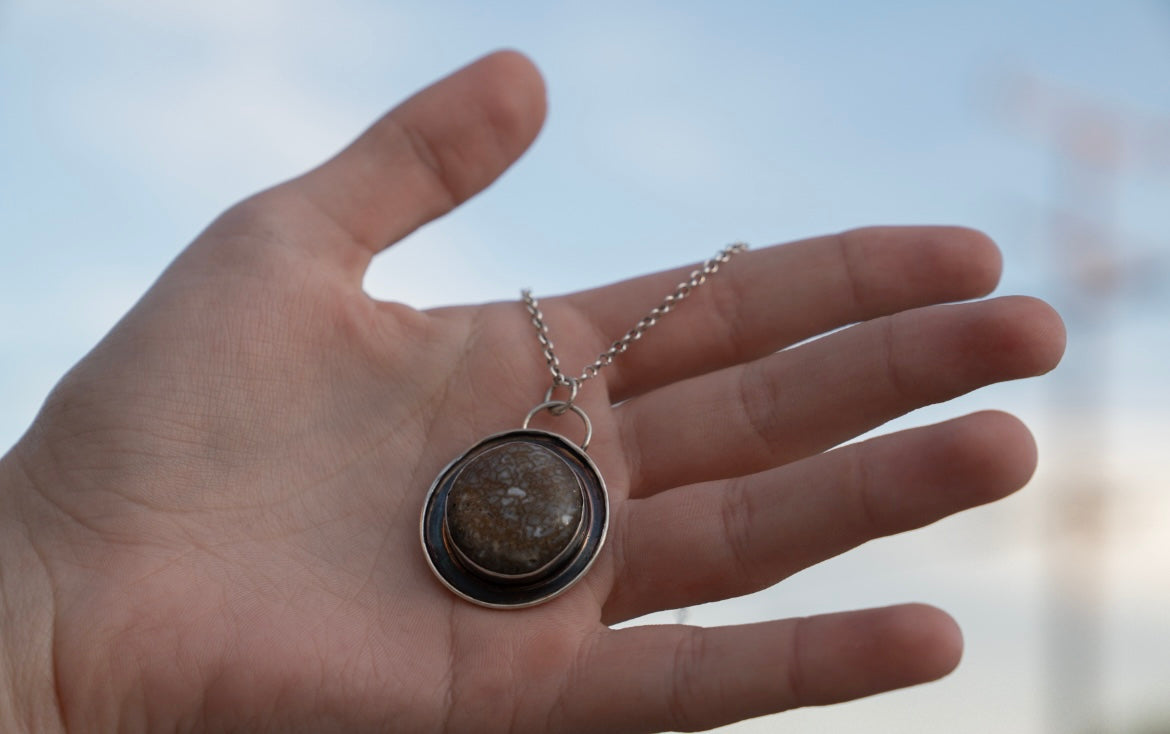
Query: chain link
[697, 278]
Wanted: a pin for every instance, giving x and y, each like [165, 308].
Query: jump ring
[574, 386]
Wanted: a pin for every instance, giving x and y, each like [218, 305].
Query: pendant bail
[553, 406]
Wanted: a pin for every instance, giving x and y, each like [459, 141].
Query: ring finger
[742, 535]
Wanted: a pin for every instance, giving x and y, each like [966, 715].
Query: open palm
[226, 492]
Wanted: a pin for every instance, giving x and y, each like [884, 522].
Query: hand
[217, 510]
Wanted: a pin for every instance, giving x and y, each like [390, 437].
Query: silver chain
[697, 278]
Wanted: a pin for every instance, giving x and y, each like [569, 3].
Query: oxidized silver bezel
[479, 589]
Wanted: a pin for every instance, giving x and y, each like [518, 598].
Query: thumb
[429, 154]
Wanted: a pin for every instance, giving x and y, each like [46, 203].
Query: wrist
[28, 693]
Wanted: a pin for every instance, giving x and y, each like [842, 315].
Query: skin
[212, 525]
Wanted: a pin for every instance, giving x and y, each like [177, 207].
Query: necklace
[520, 516]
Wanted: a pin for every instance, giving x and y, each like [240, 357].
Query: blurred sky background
[675, 127]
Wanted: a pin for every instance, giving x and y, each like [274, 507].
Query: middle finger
[809, 398]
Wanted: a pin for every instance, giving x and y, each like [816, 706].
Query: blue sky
[126, 125]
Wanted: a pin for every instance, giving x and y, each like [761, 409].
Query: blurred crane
[1091, 144]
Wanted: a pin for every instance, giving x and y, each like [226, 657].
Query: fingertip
[922, 265]
[993, 450]
[521, 98]
[1015, 337]
[929, 638]
[1015, 448]
[979, 258]
[519, 66]
[1051, 336]
[1047, 331]
[966, 260]
[875, 650]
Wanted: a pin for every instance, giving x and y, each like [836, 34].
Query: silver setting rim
[483, 591]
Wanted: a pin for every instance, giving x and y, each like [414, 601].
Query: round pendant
[516, 519]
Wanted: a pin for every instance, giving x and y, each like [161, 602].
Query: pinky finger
[688, 678]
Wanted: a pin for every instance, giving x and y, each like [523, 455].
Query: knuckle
[252, 235]
[256, 216]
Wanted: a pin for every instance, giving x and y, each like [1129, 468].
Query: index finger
[764, 300]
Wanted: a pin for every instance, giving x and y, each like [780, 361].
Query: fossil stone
[515, 509]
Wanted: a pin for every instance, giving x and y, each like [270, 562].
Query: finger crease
[758, 412]
[634, 455]
[859, 478]
[688, 675]
[736, 515]
[895, 378]
[847, 253]
[728, 309]
[795, 678]
[622, 570]
[425, 153]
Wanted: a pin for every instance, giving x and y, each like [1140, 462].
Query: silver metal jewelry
[520, 516]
